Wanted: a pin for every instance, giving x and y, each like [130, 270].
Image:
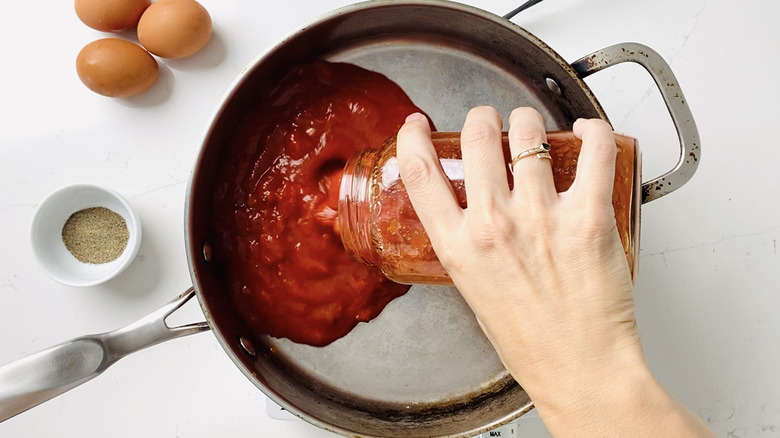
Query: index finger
[596, 165]
[429, 189]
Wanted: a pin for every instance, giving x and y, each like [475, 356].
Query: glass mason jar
[379, 227]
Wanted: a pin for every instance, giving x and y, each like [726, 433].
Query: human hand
[544, 272]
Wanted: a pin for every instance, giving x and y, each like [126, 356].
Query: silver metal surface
[34, 379]
[690, 148]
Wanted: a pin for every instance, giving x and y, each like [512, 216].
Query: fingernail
[416, 116]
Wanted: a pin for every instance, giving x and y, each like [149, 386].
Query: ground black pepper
[95, 235]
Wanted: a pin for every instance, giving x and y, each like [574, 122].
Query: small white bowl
[50, 250]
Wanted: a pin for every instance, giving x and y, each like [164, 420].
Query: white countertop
[708, 291]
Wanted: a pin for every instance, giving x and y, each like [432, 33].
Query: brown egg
[116, 68]
[111, 15]
[174, 28]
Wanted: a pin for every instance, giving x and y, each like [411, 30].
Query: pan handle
[521, 8]
[690, 149]
[35, 379]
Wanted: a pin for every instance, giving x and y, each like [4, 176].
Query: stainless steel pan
[422, 368]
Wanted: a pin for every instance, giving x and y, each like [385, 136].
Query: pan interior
[426, 346]
[446, 80]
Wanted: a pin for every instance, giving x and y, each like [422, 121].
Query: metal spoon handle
[35, 379]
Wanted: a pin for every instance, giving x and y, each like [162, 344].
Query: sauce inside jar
[288, 272]
[379, 226]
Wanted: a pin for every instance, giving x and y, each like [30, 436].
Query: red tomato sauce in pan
[288, 273]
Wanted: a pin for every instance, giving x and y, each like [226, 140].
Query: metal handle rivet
[206, 252]
[247, 346]
[553, 86]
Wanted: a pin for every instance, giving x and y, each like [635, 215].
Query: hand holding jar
[544, 272]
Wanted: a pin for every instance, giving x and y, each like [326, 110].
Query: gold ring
[541, 151]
